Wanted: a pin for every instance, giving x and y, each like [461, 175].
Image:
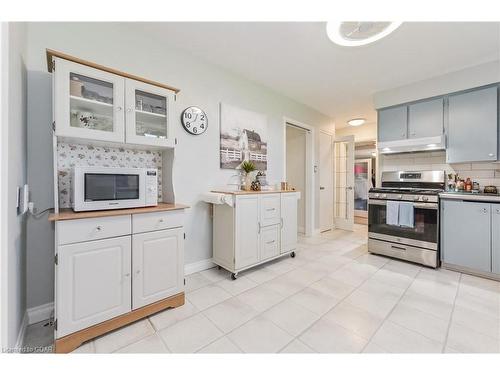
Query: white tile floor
[333, 297]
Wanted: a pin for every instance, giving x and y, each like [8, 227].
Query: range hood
[413, 144]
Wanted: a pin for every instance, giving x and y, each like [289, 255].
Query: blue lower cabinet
[466, 234]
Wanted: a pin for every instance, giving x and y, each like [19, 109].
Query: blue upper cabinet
[392, 124]
[425, 119]
[472, 126]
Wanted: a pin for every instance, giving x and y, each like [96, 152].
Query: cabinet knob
[129, 110]
[138, 271]
[160, 220]
[119, 108]
[127, 275]
[491, 154]
[98, 228]
[485, 210]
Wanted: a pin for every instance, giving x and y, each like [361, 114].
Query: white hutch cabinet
[260, 226]
[97, 105]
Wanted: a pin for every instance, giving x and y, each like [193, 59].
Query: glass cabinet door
[147, 114]
[88, 103]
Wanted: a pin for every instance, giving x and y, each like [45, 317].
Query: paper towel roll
[218, 198]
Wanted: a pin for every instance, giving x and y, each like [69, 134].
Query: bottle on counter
[468, 185]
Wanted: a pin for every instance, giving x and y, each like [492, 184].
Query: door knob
[349, 188]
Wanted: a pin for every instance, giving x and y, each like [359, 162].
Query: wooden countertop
[245, 192]
[69, 214]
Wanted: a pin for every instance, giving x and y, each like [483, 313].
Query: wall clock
[194, 120]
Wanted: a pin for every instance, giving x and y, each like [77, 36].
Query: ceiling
[298, 60]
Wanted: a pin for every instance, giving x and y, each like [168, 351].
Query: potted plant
[248, 167]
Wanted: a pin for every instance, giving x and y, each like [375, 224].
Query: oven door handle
[429, 206]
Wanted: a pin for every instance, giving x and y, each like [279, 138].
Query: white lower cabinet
[93, 283]
[157, 262]
[97, 280]
[258, 228]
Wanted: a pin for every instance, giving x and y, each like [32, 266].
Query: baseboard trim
[40, 313]
[201, 265]
[22, 332]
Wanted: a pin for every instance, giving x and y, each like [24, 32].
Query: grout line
[391, 311]
[260, 313]
[451, 315]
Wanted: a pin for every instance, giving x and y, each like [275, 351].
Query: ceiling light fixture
[353, 34]
[356, 121]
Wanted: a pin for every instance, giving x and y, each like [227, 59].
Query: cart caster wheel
[234, 276]
[219, 268]
[292, 254]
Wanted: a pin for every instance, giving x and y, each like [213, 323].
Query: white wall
[363, 133]
[296, 168]
[14, 164]
[197, 157]
[475, 76]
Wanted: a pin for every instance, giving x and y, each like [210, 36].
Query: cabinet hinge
[175, 140]
[53, 126]
[175, 97]
[184, 281]
[55, 324]
[53, 65]
[56, 259]
[184, 235]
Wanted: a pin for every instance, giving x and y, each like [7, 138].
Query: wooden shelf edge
[52, 53]
[69, 214]
[72, 341]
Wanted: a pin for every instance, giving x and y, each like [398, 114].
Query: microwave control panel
[151, 187]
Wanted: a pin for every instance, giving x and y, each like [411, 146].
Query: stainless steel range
[403, 216]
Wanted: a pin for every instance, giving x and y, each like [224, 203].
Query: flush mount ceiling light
[356, 121]
[359, 33]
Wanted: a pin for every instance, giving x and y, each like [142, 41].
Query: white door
[248, 229]
[93, 283]
[344, 183]
[88, 103]
[148, 114]
[157, 264]
[289, 221]
[325, 181]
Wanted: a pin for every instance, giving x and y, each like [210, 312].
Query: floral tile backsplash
[71, 155]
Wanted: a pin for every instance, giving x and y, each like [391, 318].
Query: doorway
[325, 182]
[364, 178]
[299, 170]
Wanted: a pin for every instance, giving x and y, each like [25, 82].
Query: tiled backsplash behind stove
[71, 155]
[486, 173]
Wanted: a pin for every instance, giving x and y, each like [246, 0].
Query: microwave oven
[103, 188]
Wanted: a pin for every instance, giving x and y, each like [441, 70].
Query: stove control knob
[400, 196]
[424, 198]
[377, 195]
[383, 196]
[417, 198]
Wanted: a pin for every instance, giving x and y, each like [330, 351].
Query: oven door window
[111, 187]
[425, 229]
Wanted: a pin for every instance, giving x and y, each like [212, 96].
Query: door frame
[332, 156]
[346, 138]
[309, 162]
